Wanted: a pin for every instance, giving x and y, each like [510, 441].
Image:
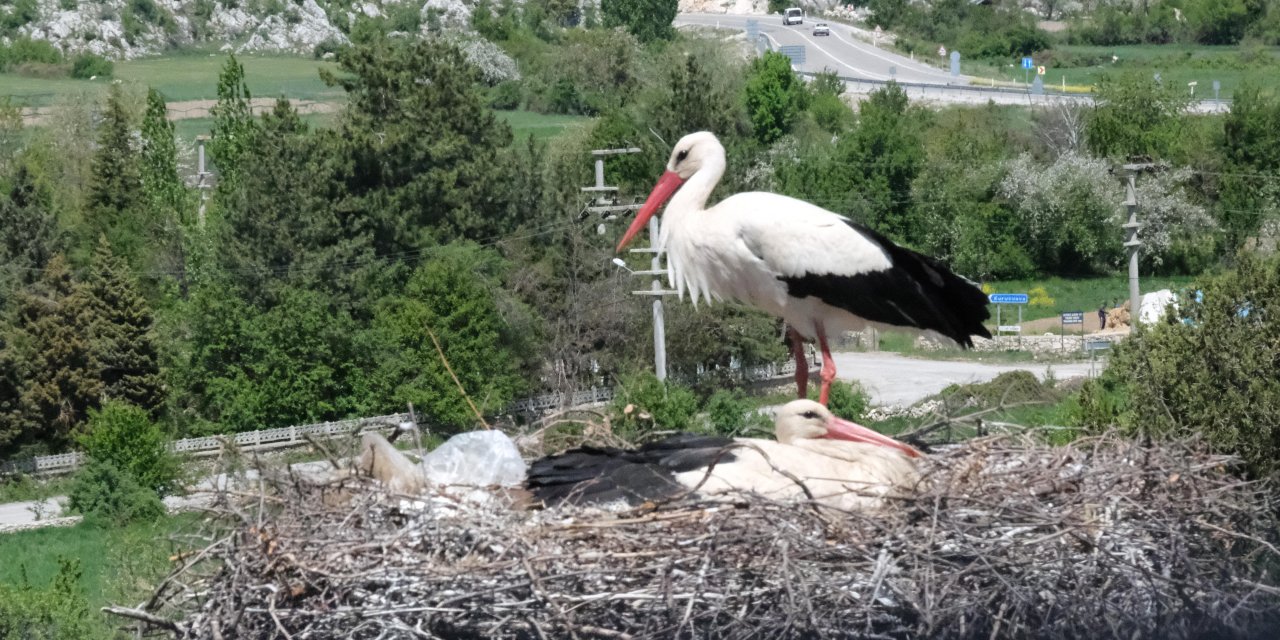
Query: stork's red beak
[840, 429]
[667, 185]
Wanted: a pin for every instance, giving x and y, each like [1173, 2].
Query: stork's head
[689, 156]
[808, 420]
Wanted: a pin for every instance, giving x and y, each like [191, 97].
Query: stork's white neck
[691, 199]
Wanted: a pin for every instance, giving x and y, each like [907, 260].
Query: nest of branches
[1006, 537]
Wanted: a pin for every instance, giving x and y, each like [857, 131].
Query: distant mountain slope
[132, 28]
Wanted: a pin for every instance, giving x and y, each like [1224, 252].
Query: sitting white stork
[816, 456]
[821, 272]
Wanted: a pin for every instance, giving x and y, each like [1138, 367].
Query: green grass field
[1176, 64]
[118, 564]
[1083, 294]
[185, 76]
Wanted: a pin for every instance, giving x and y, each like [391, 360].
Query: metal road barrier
[297, 435]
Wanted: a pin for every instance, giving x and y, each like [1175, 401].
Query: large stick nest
[1006, 538]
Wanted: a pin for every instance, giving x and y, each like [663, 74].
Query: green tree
[233, 124]
[647, 20]
[115, 202]
[1221, 21]
[880, 159]
[1250, 189]
[31, 236]
[109, 497]
[167, 198]
[52, 340]
[694, 103]
[289, 222]
[122, 333]
[418, 149]
[1134, 115]
[775, 97]
[453, 295]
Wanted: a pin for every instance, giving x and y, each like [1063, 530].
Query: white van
[793, 16]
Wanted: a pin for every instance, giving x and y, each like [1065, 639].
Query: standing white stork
[817, 455]
[821, 272]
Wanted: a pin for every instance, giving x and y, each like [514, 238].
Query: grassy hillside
[185, 76]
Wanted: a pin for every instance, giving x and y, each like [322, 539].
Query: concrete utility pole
[1131, 241]
[606, 205]
[202, 178]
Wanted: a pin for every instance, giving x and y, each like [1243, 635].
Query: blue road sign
[795, 52]
[1072, 317]
[1028, 63]
[1008, 298]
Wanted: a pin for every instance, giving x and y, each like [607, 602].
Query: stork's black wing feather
[915, 291]
[596, 475]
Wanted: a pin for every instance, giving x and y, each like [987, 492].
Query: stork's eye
[681, 155]
[810, 415]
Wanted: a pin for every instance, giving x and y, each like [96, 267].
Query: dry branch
[1006, 538]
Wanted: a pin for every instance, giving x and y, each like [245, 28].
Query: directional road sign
[1028, 63]
[1008, 298]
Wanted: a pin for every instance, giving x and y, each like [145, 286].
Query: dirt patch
[189, 109]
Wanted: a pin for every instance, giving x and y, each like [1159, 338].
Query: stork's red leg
[802, 366]
[828, 366]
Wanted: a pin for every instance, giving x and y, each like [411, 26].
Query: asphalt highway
[840, 52]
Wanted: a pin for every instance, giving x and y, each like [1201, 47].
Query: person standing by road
[1102, 316]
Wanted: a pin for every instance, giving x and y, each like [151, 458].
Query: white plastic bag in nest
[476, 458]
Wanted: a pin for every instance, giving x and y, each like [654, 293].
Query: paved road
[839, 52]
[892, 379]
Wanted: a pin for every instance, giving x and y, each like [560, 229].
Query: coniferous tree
[52, 338]
[122, 333]
[29, 235]
[419, 149]
[116, 205]
[166, 196]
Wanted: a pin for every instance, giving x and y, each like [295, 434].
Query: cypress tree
[123, 342]
[115, 203]
[30, 234]
[52, 338]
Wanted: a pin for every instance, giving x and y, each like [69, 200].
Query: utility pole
[203, 182]
[606, 205]
[1131, 241]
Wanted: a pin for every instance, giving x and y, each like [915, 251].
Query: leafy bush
[108, 496]
[506, 95]
[653, 405]
[26, 50]
[88, 65]
[849, 400]
[727, 411]
[124, 436]
[1212, 369]
[55, 612]
[774, 96]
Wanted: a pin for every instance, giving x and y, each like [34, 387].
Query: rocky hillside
[132, 28]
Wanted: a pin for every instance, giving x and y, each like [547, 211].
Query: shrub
[1211, 370]
[727, 411]
[848, 400]
[26, 50]
[88, 65]
[58, 611]
[107, 496]
[124, 436]
[506, 95]
[653, 405]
